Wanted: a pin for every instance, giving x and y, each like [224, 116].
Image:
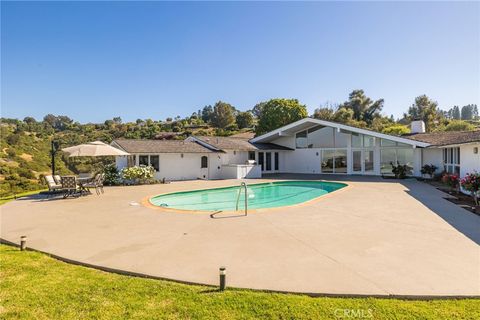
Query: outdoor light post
[23, 243]
[223, 275]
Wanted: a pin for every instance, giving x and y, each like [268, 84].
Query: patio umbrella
[94, 149]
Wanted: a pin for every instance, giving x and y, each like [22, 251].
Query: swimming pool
[260, 195]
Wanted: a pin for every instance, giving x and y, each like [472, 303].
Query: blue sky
[96, 60]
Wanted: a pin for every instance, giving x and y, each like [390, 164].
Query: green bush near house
[35, 286]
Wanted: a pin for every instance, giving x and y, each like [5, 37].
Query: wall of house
[121, 162]
[469, 161]
[433, 156]
[303, 161]
[215, 162]
[236, 157]
[309, 160]
[175, 167]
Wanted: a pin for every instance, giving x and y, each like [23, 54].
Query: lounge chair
[53, 186]
[58, 179]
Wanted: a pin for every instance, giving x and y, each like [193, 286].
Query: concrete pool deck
[377, 237]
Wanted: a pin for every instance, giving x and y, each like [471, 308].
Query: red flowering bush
[471, 182]
[451, 180]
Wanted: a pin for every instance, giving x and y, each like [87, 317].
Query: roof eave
[277, 132]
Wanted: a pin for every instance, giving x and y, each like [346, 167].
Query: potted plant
[471, 183]
[429, 169]
[400, 170]
[452, 181]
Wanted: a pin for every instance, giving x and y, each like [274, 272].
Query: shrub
[400, 170]
[140, 174]
[396, 130]
[450, 180]
[112, 176]
[429, 169]
[459, 125]
[26, 173]
[471, 183]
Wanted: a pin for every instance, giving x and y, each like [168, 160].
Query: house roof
[292, 128]
[236, 143]
[160, 146]
[447, 137]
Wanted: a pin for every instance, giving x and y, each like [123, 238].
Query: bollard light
[23, 243]
[223, 276]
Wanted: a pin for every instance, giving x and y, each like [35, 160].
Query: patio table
[81, 181]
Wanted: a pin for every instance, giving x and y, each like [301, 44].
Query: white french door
[363, 161]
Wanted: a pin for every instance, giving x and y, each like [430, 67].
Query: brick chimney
[417, 126]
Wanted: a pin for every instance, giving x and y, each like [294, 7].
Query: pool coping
[146, 200]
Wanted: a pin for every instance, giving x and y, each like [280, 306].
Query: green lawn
[19, 195]
[35, 286]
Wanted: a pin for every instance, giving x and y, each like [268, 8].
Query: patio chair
[69, 186]
[96, 183]
[92, 184]
[100, 181]
[53, 186]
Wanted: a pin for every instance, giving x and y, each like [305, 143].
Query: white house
[306, 146]
[200, 157]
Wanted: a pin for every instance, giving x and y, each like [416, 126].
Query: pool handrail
[243, 185]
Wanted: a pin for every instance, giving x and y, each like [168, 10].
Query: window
[260, 159]
[341, 139]
[396, 156]
[368, 141]
[131, 161]
[387, 157]
[251, 155]
[301, 140]
[276, 161]
[327, 161]
[340, 161]
[451, 160]
[357, 141]
[268, 160]
[334, 161]
[405, 156]
[155, 162]
[361, 140]
[387, 143]
[143, 160]
[368, 160]
[321, 137]
[204, 162]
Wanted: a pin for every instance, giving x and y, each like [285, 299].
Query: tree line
[358, 110]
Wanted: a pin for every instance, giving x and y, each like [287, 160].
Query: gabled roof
[234, 143]
[225, 143]
[160, 146]
[300, 125]
[437, 139]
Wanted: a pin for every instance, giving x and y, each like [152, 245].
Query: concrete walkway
[378, 237]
